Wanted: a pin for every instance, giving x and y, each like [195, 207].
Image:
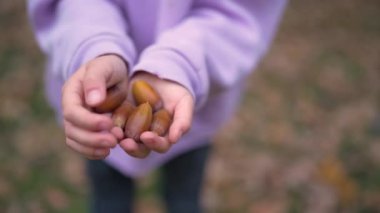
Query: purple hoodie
[208, 46]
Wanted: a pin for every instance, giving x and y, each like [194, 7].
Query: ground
[305, 139]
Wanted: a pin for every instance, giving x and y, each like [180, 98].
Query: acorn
[115, 96]
[122, 113]
[161, 122]
[142, 92]
[139, 121]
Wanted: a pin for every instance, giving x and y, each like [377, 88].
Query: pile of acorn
[147, 115]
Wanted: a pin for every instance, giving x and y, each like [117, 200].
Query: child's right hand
[88, 132]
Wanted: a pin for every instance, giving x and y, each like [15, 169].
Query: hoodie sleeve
[71, 32]
[215, 46]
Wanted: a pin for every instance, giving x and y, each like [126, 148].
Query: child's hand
[179, 102]
[87, 132]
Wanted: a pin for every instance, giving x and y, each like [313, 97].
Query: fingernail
[104, 126]
[105, 143]
[109, 143]
[99, 152]
[179, 135]
[93, 97]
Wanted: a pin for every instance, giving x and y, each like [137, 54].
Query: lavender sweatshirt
[208, 46]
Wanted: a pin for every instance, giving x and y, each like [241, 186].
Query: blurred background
[306, 138]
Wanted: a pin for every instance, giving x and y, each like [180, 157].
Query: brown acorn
[161, 122]
[142, 92]
[122, 113]
[139, 121]
[115, 96]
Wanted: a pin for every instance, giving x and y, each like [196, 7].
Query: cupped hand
[87, 132]
[180, 104]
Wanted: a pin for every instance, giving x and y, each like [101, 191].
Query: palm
[179, 102]
[172, 94]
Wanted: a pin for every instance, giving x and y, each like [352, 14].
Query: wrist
[116, 60]
[100, 46]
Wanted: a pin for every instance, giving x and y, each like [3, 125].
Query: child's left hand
[178, 101]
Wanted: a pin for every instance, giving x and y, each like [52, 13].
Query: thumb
[102, 72]
[94, 83]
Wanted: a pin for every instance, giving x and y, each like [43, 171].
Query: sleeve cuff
[100, 45]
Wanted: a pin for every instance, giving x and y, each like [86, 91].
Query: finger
[134, 149]
[101, 73]
[155, 142]
[90, 153]
[75, 112]
[117, 132]
[182, 118]
[90, 139]
[85, 119]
